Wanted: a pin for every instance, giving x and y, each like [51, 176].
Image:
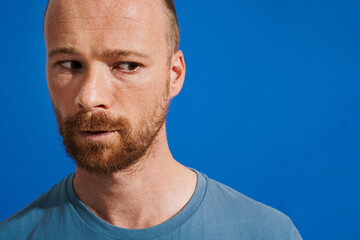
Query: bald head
[172, 26]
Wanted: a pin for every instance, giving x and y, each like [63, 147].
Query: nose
[93, 92]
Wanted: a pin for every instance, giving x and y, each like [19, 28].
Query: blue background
[270, 107]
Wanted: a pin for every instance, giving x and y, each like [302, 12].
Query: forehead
[110, 22]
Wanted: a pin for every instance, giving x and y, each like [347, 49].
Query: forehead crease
[111, 22]
[107, 9]
[106, 14]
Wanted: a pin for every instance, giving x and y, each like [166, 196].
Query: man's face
[108, 75]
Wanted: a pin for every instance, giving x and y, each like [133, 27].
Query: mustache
[96, 121]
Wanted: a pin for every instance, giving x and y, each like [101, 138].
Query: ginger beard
[107, 157]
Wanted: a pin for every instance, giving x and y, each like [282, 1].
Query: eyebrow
[109, 53]
[62, 51]
[115, 53]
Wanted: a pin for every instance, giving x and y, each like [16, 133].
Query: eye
[127, 66]
[71, 65]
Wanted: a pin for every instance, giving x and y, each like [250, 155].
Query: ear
[177, 73]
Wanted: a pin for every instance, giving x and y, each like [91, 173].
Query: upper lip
[95, 131]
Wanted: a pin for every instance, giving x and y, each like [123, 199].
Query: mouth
[94, 135]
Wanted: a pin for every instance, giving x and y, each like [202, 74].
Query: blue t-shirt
[215, 211]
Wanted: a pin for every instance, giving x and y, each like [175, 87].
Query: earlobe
[178, 69]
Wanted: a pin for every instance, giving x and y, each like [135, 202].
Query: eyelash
[132, 66]
[71, 62]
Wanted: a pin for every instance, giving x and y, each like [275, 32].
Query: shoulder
[223, 194]
[254, 218]
[28, 218]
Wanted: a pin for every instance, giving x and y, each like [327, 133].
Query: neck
[144, 195]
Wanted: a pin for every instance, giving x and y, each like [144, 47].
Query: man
[112, 68]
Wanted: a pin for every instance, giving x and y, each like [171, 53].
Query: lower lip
[96, 135]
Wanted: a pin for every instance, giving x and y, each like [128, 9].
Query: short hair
[172, 32]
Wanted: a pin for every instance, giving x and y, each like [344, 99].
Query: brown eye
[128, 66]
[71, 65]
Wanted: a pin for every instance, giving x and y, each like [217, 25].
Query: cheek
[62, 96]
[148, 97]
[138, 100]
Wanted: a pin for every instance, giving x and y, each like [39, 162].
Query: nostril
[93, 93]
